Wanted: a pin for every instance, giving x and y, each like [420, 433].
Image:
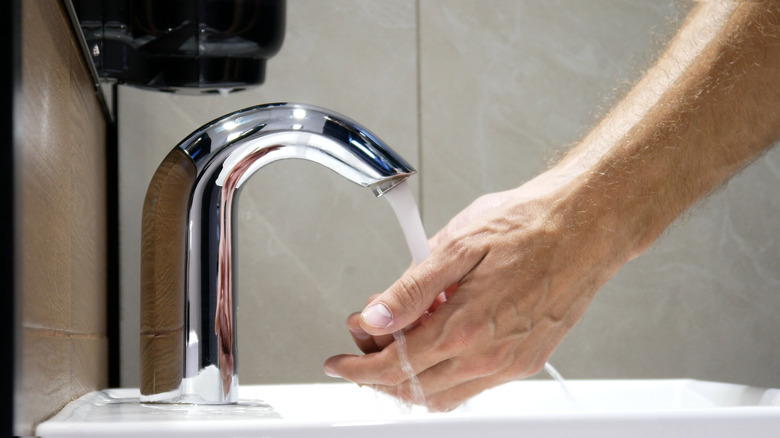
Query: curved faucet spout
[188, 337]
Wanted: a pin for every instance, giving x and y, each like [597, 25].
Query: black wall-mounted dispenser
[191, 46]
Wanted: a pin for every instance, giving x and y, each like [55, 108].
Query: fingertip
[359, 334]
[330, 372]
[377, 316]
[353, 320]
[331, 366]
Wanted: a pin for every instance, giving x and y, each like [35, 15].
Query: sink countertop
[528, 408]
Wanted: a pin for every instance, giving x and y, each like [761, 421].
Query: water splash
[561, 382]
[418, 396]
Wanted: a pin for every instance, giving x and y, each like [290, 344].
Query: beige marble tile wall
[480, 96]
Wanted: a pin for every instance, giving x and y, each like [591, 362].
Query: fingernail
[377, 315]
[331, 373]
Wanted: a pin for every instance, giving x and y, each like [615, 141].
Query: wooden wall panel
[62, 217]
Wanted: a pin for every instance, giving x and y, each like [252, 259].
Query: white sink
[600, 408]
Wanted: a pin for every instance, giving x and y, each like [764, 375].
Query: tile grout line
[418, 75]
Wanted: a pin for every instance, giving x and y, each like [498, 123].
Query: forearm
[707, 108]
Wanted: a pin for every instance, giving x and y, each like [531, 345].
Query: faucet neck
[188, 337]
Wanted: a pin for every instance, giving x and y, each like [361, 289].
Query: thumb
[411, 295]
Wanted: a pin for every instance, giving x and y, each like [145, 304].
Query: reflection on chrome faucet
[188, 337]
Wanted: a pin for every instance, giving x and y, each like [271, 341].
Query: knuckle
[524, 367]
[390, 376]
[506, 356]
[459, 248]
[536, 366]
[463, 338]
[409, 293]
[490, 364]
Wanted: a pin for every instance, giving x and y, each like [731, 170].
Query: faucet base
[200, 390]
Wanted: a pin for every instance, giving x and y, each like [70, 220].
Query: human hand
[525, 266]
[372, 344]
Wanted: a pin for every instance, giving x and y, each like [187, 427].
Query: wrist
[622, 205]
[608, 224]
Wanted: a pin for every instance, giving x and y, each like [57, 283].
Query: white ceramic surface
[635, 408]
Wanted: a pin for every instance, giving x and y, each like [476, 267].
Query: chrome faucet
[188, 335]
